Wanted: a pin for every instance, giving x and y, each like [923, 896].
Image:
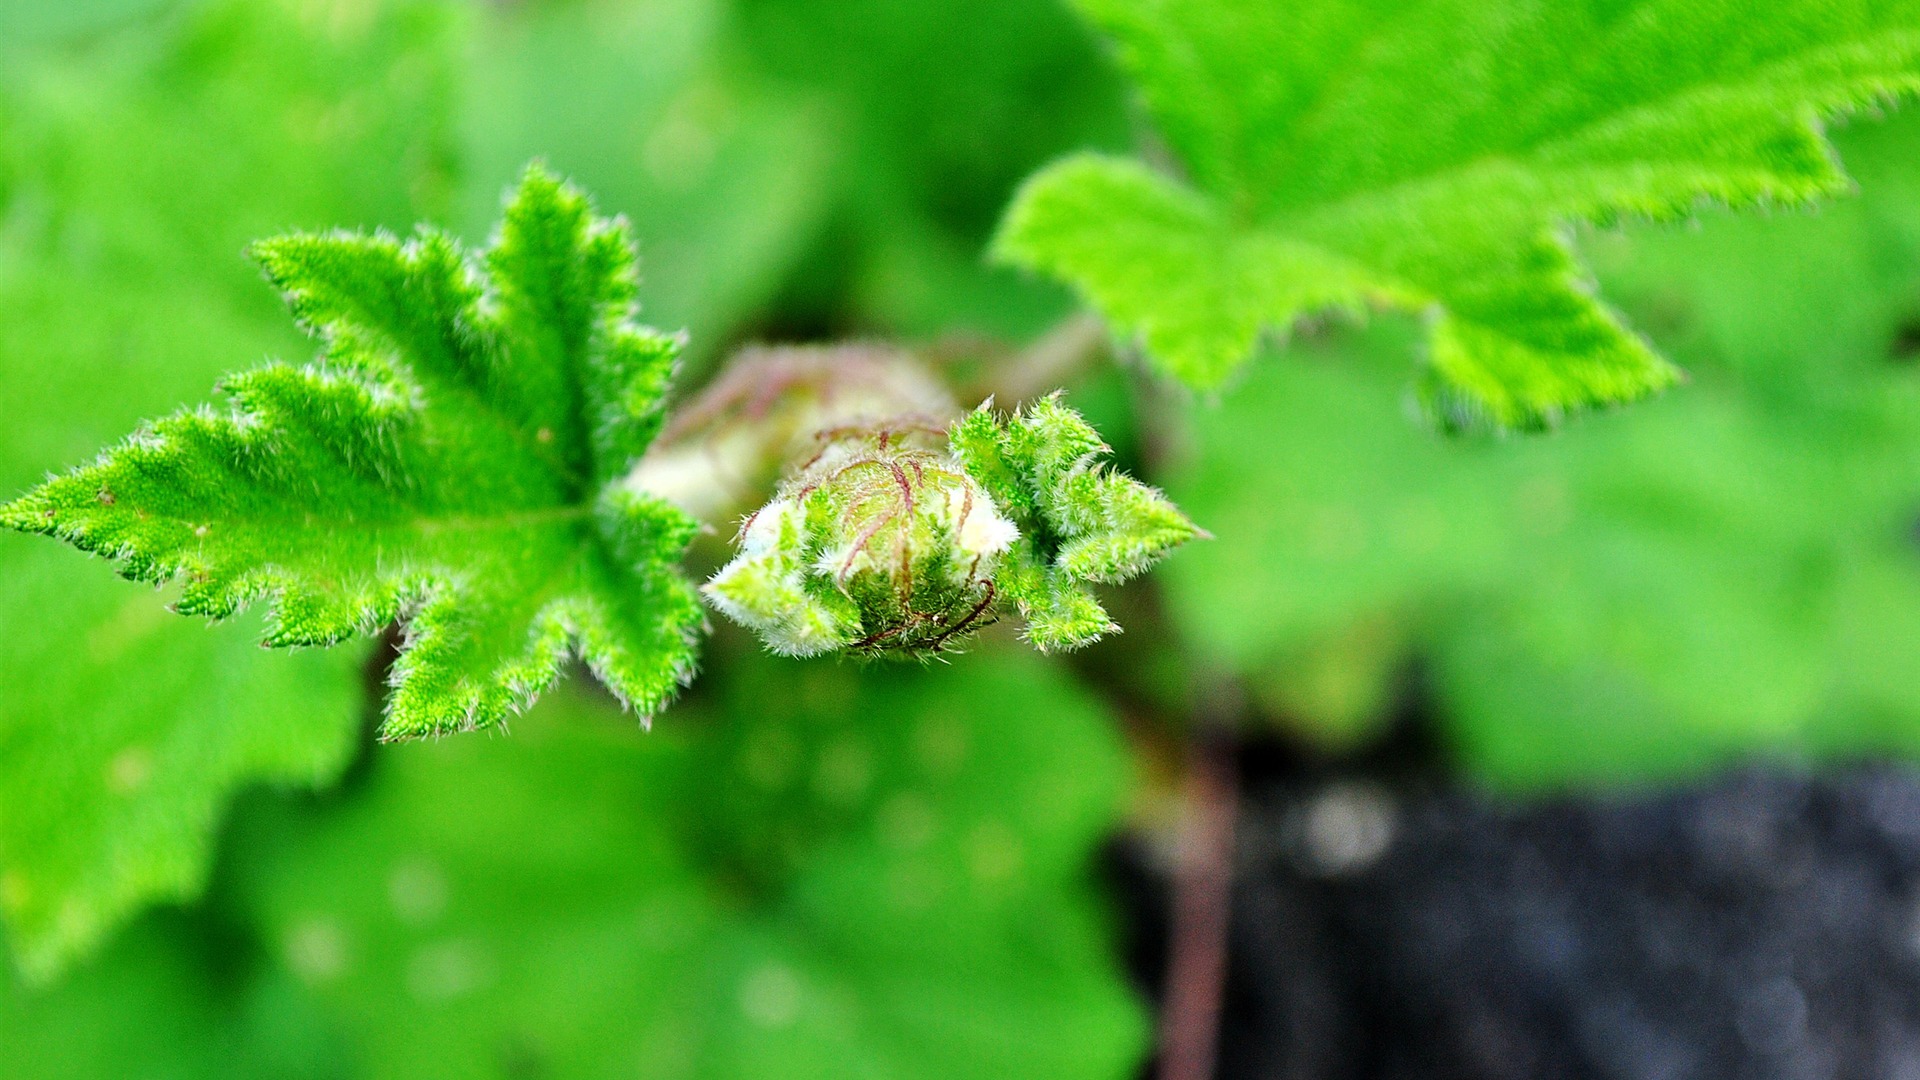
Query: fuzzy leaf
[765, 587]
[1720, 574]
[722, 177]
[1429, 157]
[444, 463]
[1079, 521]
[134, 178]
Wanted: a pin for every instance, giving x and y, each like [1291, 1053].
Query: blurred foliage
[151, 1004]
[24, 26]
[1728, 570]
[767, 886]
[722, 180]
[935, 119]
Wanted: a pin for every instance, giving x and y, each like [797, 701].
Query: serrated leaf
[136, 177]
[842, 872]
[444, 463]
[1080, 521]
[1428, 157]
[1722, 573]
[722, 179]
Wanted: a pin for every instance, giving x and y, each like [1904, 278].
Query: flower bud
[881, 543]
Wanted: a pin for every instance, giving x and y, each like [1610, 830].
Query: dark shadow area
[1765, 924]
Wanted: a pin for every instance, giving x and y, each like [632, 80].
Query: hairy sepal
[1080, 522]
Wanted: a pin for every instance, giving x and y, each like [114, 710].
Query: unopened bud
[881, 544]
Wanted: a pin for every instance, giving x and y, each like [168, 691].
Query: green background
[820, 868]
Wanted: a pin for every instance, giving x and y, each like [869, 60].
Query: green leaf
[1080, 522]
[840, 872]
[143, 1007]
[30, 23]
[722, 179]
[138, 170]
[445, 463]
[1340, 155]
[122, 734]
[168, 998]
[1725, 572]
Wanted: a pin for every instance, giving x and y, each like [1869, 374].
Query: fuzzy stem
[727, 447]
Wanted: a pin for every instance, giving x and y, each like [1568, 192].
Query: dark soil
[1765, 926]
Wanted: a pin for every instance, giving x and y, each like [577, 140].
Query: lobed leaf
[1720, 574]
[444, 463]
[133, 178]
[1348, 154]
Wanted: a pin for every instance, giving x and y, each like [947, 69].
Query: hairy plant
[1348, 154]
[465, 458]
[451, 461]
[487, 456]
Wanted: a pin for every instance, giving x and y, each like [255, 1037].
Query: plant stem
[1050, 362]
[1202, 908]
[724, 450]
[770, 408]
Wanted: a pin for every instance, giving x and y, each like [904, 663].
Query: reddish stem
[1202, 908]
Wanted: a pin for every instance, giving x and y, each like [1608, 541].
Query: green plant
[1426, 159]
[464, 458]
[811, 869]
[452, 458]
[1772, 500]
